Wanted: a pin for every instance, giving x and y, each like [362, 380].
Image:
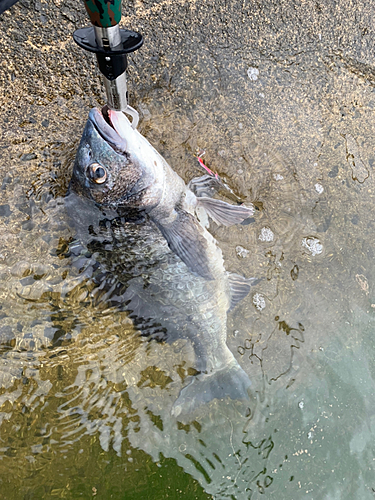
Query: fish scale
[139, 257]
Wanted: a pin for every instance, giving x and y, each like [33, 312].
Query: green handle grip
[104, 13]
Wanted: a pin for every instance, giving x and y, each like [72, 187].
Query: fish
[147, 228]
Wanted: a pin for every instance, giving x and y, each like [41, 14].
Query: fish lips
[108, 133]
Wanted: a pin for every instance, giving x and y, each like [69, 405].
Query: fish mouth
[101, 119]
[105, 111]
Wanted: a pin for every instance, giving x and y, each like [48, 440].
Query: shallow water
[281, 99]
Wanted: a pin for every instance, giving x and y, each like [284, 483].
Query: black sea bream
[141, 218]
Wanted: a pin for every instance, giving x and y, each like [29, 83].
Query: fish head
[115, 165]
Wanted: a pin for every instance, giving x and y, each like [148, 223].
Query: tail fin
[229, 381]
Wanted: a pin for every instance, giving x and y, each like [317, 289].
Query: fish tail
[230, 381]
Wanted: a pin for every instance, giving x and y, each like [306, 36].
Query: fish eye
[97, 173]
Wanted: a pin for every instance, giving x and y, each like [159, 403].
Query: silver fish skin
[170, 265]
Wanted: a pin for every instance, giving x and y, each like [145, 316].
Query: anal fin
[224, 213]
[239, 288]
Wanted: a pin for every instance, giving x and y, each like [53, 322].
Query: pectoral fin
[224, 213]
[184, 237]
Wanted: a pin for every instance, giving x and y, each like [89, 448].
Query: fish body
[143, 216]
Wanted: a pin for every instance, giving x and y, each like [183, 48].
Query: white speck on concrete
[145, 111]
[266, 234]
[319, 188]
[301, 405]
[313, 245]
[253, 73]
[242, 252]
[259, 302]
[278, 177]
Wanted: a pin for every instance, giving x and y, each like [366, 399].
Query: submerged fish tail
[230, 381]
